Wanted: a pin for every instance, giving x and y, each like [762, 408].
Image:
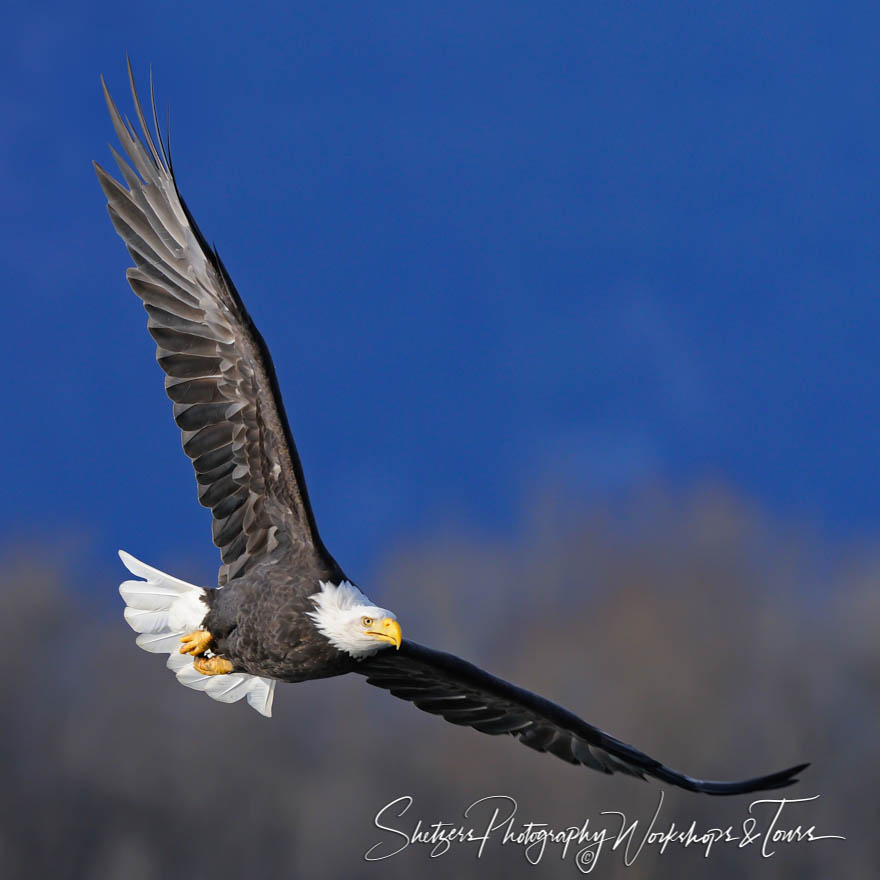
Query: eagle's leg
[212, 665]
[196, 642]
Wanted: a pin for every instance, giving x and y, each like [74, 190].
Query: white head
[352, 622]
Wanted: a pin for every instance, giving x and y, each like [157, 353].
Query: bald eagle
[283, 609]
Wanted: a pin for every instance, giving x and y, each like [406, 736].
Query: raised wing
[462, 693]
[218, 369]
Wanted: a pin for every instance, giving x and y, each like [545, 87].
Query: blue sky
[492, 247]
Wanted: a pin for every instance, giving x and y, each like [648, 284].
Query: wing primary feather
[156, 120]
[145, 131]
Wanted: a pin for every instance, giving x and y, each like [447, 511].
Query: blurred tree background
[691, 625]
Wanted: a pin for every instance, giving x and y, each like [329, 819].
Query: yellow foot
[196, 642]
[212, 665]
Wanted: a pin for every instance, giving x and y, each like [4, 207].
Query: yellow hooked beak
[386, 630]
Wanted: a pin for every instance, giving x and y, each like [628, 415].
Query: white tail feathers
[162, 609]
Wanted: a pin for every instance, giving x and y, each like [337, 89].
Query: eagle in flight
[283, 609]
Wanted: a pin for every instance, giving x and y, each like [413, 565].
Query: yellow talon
[212, 665]
[196, 642]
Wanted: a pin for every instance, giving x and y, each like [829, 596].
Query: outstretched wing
[462, 693]
[218, 369]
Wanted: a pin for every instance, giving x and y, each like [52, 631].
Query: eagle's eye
[367, 621]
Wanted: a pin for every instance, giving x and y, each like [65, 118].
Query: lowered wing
[462, 693]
